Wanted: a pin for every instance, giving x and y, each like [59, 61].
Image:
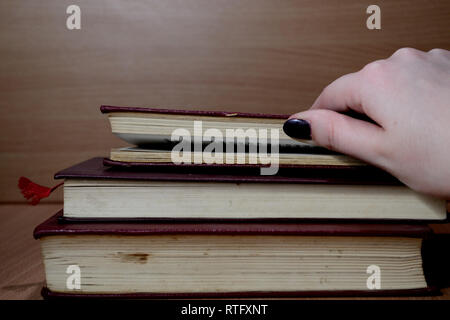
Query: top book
[143, 126]
[213, 137]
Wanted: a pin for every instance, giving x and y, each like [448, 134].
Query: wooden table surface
[22, 270]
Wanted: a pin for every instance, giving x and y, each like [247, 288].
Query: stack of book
[190, 212]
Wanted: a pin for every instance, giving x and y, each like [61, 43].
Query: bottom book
[239, 259]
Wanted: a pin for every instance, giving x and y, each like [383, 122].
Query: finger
[342, 95]
[335, 131]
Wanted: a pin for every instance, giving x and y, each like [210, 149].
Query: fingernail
[297, 128]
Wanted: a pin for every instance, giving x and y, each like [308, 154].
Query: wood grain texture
[244, 55]
[22, 270]
[21, 267]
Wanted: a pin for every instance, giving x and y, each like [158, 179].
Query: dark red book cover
[432, 249]
[110, 109]
[363, 171]
[96, 168]
[54, 227]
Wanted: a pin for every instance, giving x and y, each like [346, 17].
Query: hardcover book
[246, 259]
[152, 131]
[93, 191]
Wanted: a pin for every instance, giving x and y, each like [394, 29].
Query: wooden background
[238, 55]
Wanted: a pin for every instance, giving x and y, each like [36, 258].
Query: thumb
[338, 132]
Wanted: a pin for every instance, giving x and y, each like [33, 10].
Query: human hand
[408, 96]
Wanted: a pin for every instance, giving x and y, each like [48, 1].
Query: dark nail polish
[297, 128]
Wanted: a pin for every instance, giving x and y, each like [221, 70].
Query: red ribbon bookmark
[33, 191]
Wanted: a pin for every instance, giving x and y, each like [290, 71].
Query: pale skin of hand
[408, 96]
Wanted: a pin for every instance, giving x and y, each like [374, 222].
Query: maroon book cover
[53, 227]
[211, 113]
[96, 168]
[365, 171]
[110, 109]
[362, 173]
[434, 269]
